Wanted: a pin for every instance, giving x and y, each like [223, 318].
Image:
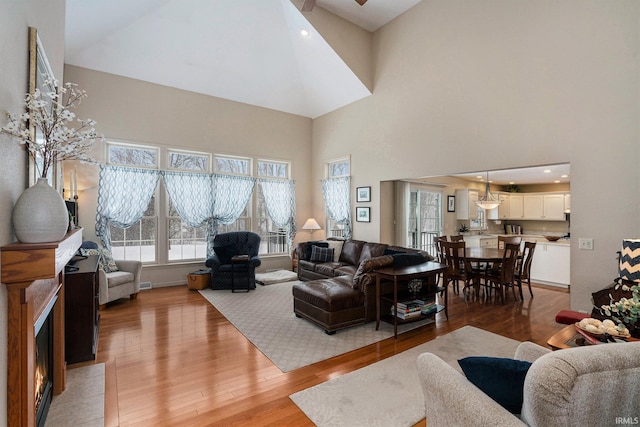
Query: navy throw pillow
[309, 247]
[392, 252]
[225, 252]
[405, 260]
[501, 379]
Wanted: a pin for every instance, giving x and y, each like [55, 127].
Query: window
[232, 165]
[185, 242]
[337, 169]
[273, 240]
[137, 242]
[425, 219]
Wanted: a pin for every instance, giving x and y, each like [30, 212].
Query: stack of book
[408, 309]
[428, 308]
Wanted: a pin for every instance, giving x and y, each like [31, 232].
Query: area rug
[82, 402]
[277, 276]
[265, 317]
[388, 393]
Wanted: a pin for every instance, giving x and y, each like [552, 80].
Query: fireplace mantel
[34, 275]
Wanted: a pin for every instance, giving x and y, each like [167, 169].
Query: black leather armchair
[227, 245]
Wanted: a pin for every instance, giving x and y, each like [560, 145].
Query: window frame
[335, 228]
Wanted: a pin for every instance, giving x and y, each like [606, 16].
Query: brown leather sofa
[339, 294]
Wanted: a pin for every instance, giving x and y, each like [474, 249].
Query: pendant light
[488, 201]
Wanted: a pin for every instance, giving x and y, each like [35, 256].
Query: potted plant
[40, 214]
[625, 310]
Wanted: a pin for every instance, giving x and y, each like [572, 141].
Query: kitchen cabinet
[481, 241]
[567, 202]
[533, 206]
[551, 264]
[502, 211]
[516, 206]
[466, 207]
[553, 205]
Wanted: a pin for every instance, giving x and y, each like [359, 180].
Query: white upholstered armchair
[119, 284]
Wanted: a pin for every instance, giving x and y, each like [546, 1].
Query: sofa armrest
[529, 351]
[450, 399]
[130, 266]
[255, 261]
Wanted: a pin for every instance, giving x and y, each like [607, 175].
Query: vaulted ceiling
[250, 51]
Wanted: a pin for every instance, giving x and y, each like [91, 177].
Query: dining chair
[503, 273]
[524, 270]
[458, 267]
[508, 239]
[457, 238]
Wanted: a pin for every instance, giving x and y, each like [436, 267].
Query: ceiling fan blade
[307, 6]
[361, 2]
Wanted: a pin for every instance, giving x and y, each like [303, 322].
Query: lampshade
[488, 201]
[311, 224]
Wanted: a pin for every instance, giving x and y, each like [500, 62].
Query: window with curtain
[186, 242]
[338, 168]
[275, 207]
[138, 242]
[234, 165]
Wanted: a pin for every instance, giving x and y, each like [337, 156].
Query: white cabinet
[553, 205]
[567, 202]
[502, 211]
[533, 206]
[551, 264]
[516, 206]
[481, 241]
[466, 207]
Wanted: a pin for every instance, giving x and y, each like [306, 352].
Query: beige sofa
[586, 386]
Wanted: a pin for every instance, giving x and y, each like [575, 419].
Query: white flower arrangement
[625, 310]
[52, 115]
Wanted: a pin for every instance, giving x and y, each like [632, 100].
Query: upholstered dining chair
[524, 270]
[224, 272]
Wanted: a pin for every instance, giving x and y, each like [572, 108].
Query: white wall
[466, 85]
[15, 19]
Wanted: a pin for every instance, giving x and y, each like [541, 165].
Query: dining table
[483, 254]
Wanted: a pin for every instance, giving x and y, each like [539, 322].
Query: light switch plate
[585, 244]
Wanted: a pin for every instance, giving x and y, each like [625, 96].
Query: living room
[457, 86]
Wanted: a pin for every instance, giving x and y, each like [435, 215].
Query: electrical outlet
[585, 244]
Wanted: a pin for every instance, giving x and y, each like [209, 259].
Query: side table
[568, 337]
[235, 261]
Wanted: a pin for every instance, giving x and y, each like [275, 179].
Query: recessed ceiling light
[512, 182]
[564, 176]
[556, 182]
[304, 32]
[547, 171]
[479, 177]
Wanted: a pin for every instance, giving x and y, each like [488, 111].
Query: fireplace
[34, 276]
[44, 368]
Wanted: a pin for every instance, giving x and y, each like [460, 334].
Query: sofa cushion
[327, 268]
[501, 379]
[329, 294]
[371, 250]
[319, 254]
[351, 252]
[337, 248]
[105, 261]
[345, 269]
[306, 265]
[309, 248]
[118, 278]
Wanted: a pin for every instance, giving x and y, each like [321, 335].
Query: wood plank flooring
[173, 359]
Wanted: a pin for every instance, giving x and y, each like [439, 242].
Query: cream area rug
[388, 393]
[265, 317]
[82, 402]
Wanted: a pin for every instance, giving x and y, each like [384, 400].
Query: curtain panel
[280, 202]
[123, 197]
[337, 198]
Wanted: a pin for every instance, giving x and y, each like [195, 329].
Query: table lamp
[312, 225]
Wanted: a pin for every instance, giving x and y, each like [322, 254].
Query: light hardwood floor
[173, 359]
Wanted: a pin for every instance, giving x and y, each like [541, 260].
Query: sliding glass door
[424, 220]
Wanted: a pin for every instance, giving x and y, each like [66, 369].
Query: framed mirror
[38, 67]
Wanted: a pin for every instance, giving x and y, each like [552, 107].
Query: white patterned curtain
[337, 198]
[123, 197]
[280, 201]
[230, 196]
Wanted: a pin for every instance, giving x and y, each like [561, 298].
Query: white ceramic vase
[40, 214]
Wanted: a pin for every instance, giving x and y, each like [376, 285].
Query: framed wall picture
[451, 203]
[363, 194]
[363, 214]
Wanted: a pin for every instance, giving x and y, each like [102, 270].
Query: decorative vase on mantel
[40, 214]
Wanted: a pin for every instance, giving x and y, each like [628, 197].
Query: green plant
[625, 310]
[463, 228]
[513, 188]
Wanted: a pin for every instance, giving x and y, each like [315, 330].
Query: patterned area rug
[388, 393]
[82, 402]
[265, 316]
